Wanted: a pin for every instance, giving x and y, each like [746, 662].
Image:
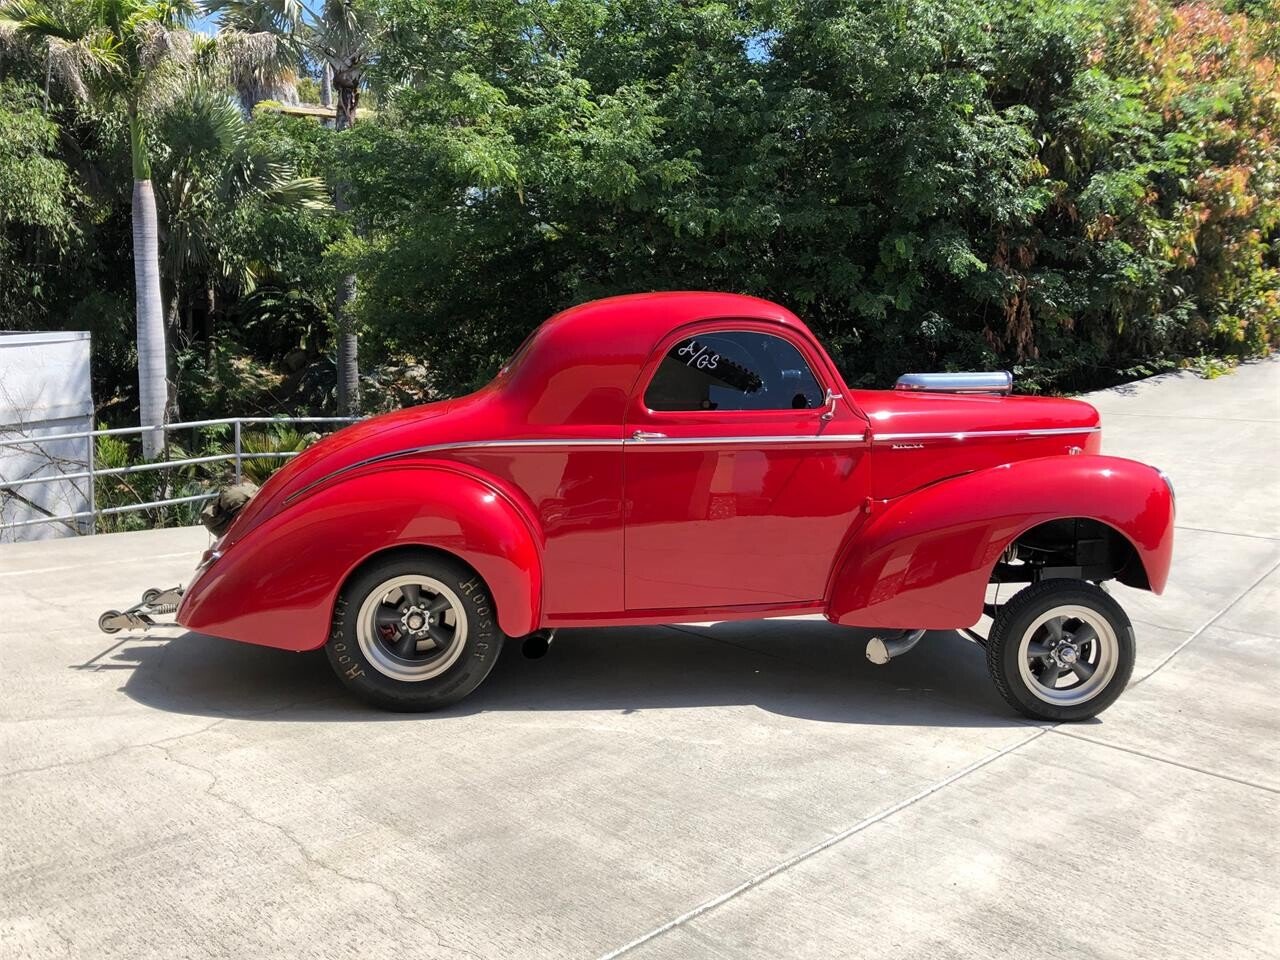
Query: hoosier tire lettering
[414, 632]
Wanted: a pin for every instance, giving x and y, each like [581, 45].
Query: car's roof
[653, 315]
[583, 362]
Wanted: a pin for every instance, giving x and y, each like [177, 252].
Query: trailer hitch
[141, 616]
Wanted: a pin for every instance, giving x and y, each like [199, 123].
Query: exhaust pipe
[537, 644]
[881, 651]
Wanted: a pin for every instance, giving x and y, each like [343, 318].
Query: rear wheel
[414, 632]
[1061, 650]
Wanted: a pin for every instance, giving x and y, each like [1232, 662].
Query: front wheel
[1061, 650]
[414, 632]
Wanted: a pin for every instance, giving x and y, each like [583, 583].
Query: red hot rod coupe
[665, 458]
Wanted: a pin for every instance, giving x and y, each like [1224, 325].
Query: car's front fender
[924, 559]
[277, 585]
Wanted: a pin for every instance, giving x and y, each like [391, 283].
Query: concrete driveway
[694, 792]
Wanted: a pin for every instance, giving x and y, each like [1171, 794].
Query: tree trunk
[348, 349]
[348, 102]
[153, 380]
[348, 345]
[326, 86]
[174, 321]
[348, 342]
[206, 325]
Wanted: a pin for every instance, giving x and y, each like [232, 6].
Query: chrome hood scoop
[997, 382]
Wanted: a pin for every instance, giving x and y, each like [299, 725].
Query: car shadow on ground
[805, 669]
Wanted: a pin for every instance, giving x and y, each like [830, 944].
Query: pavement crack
[1206, 625]
[310, 857]
[99, 757]
[708, 905]
[1169, 760]
[1226, 533]
[861, 825]
[704, 635]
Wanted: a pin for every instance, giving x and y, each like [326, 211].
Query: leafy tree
[38, 201]
[934, 183]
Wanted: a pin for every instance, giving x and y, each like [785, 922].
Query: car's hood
[902, 412]
[921, 438]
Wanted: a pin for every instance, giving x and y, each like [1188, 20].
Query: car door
[741, 472]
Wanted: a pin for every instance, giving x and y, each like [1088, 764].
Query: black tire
[363, 668]
[1005, 653]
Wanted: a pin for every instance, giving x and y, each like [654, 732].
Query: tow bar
[141, 616]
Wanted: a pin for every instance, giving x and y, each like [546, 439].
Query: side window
[733, 370]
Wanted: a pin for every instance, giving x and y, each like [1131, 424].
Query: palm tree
[341, 39]
[210, 166]
[268, 28]
[127, 52]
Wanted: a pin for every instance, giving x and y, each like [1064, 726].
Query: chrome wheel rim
[1068, 655]
[411, 627]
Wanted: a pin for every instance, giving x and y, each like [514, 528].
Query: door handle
[640, 436]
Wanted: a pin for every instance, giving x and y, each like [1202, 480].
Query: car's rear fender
[278, 584]
[924, 559]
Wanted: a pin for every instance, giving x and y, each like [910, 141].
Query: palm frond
[201, 124]
[159, 45]
[76, 47]
[244, 52]
[257, 16]
[344, 34]
[310, 193]
[209, 165]
[36, 19]
[169, 14]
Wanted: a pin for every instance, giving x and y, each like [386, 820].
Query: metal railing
[236, 456]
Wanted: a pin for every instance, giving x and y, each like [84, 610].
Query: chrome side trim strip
[984, 434]
[467, 444]
[840, 438]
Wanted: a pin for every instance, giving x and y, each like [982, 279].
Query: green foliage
[38, 205]
[214, 171]
[1070, 189]
[261, 455]
[128, 489]
[308, 89]
[36, 191]
[260, 450]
